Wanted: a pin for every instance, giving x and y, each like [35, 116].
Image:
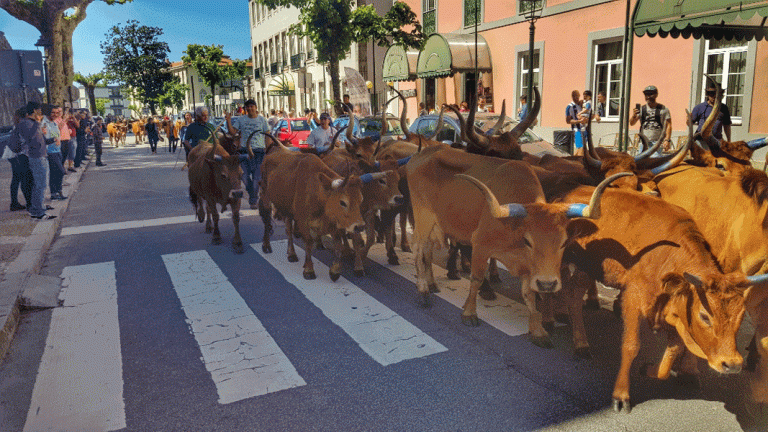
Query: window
[469, 12]
[607, 75]
[525, 69]
[726, 62]
[525, 6]
[429, 13]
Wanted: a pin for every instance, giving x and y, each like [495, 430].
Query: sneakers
[71, 170]
[58, 197]
[254, 206]
[17, 207]
[100, 164]
[44, 217]
[47, 207]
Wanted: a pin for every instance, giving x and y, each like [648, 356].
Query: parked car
[529, 141]
[294, 129]
[370, 126]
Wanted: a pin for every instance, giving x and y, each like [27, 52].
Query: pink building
[578, 46]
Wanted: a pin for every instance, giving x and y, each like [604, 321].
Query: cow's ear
[755, 295]
[673, 284]
[580, 227]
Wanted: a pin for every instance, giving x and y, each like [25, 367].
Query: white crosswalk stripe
[243, 359]
[79, 384]
[380, 332]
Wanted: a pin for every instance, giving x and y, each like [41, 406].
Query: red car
[295, 129]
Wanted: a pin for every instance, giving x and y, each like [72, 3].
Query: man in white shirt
[321, 138]
[245, 126]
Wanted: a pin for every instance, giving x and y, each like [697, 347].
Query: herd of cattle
[118, 130]
[685, 240]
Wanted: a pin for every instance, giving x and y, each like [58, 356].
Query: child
[587, 106]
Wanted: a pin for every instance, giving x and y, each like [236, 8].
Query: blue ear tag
[403, 161]
[217, 158]
[366, 178]
[757, 143]
[756, 279]
[516, 210]
[576, 210]
[377, 165]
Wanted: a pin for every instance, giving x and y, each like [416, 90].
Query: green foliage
[101, 105]
[134, 109]
[134, 56]
[173, 95]
[207, 62]
[89, 83]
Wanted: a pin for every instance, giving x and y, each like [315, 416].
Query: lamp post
[530, 15]
[45, 43]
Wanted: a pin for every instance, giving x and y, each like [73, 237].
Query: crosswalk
[242, 359]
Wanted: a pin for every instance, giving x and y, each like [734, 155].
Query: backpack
[656, 116]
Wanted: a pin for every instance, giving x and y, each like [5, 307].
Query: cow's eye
[343, 204]
[705, 319]
[382, 181]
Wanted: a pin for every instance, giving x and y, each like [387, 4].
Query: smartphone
[637, 107]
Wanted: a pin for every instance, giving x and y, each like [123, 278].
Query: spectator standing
[320, 140]
[577, 123]
[21, 174]
[183, 129]
[56, 170]
[29, 136]
[422, 109]
[73, 123]
[98, 140]
[600, 106]
[153, 136]
[703, 110]
[463, 107]
[198, 131]
[522, 112]
[57, 115]
[272, 121]
[83, 129]
[347, 106]
[655, 119]
[251, 123]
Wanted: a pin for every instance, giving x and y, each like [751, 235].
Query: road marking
[243, 359]
[384, 335]
[507, 315]
[146, 223]
[79, 383]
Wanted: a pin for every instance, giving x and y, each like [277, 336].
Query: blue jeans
[252, 175]
[39, 167]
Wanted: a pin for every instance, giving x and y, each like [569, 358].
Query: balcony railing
[274, 68]
[297, 61]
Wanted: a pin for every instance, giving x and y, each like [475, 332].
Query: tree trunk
[212, 108]
[91, 92]
[335, 83]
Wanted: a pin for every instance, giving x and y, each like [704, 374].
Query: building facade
[115, 102]
[579, 45]
[228, 95]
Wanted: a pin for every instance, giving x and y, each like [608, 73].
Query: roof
[711, 19]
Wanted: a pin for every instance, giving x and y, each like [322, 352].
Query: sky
[219, 22]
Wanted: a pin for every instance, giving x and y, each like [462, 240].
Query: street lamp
[45, 43]
[533, 6]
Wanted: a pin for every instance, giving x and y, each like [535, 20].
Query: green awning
[399, 64]
[445, 54]
[281, 85]
[710, 19]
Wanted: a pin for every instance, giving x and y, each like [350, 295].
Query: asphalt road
[162, 331]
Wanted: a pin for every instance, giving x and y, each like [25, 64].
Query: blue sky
[220, 22]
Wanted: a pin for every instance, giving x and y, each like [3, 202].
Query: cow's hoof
[470, 320]
[208, 230]
[334, 276]
[582, 354]
[266, 248]
[620, 405]
[562, 318]
[453, 275]
[548, 326]
[433, 288]
[320, 246]
[592, 304]
[494, 278]
[393, 260]
[359, 273]
[293, 258]
[405, 248]
[486, 292]
[200, 216]
[238, 248]
[542, 341]
[309, 275]
[216, 240]
[425, 300]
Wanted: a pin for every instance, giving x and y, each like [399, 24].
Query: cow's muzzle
[397, 200]
[236, 193]
[356, 228]
[548, 286]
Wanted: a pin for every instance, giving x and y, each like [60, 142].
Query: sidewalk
[23, 246]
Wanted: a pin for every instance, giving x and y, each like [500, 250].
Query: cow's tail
[195, 203]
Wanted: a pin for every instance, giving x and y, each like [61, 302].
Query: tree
[56, 24]
[135, 57]
[207, 61]
[90, 83]
[332, 26]
[101, 105]
[173, 95]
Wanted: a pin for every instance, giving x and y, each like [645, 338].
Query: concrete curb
[19, 273]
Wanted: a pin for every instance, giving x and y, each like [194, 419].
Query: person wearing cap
[703, 110]
[321, 138]
[655, 119]
[250, 123]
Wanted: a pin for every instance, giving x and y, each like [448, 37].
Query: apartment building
[578, 45]
[228, 95]
[116, 103]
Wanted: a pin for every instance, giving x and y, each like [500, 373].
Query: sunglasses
[710, 92]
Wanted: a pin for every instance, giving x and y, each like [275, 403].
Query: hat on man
[325, 115]
[651, 89]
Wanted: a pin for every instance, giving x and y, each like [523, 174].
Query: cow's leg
[309, 268]
[453, 254]
[493, 272]
[289, 228]
[592, 302]
[466, 258]
[370, 231]
[404, 244]
[265, 212]
[630, 345]
[425, 282]
[339, 242]
[486, 292]
[675, 347]
[389, 245]
[359, 246]
[214, 213]
[574, 287]
[539, 336]
[208, 223]
[237, 242]
[479, 265]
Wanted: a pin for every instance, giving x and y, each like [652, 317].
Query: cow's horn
[648, 149]
[709, 123]
[336, 137]
[592, 211]
[499, 124]
[758, 279]
[591, 155]
[248, 144]
[758, 143]
[472, 136]
[403, 113]
[212, 152]
[462, 122]
[351, 125]
[439, 126]
[403, 161]
[677, 159]
[384, 122]
[523, 126]
[337, 184]
[497, 211]
[217, 158]
[367, 178]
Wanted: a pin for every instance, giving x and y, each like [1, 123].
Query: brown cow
[116, 132]
[656, 255]
[527, 236]
[215, 178]
[305, 190]
[138, 130]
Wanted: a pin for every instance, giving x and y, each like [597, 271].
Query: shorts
[578, 140]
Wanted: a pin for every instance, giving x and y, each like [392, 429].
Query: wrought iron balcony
[297, 61]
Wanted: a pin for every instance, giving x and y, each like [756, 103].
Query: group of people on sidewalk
[45, 144]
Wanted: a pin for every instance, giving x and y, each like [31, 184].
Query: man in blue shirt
[321, 138]
[245, 126]
[703, 110]
[197, 131]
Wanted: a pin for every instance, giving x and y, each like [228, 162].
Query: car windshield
[372, 126]
[299, 125]
[487, 122]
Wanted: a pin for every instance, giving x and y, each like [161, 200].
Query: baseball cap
[325, 115]
[651, 89]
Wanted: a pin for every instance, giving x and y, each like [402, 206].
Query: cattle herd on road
[684, 240]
